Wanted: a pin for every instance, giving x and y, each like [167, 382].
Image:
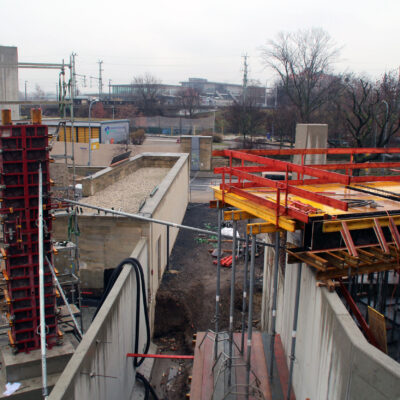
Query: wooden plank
[208, 378]
[366, 269]
[197, 372]
[377, 325]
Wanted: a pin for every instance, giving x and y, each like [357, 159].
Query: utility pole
[109, 89]
[25, 90]
[245, 71]
[73, 73]
[100, 79]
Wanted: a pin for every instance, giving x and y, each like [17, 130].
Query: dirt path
[186, 297]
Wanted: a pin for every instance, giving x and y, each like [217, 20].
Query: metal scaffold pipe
[250, 316]
[64, 297]
[154, 220]
[274, 297]
[41, 286]
[232, 301]
[245, 278]
[294, 332]
[218, 284]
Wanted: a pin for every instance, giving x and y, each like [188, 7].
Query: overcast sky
[175, 39]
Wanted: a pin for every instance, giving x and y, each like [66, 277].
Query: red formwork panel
[23, 147]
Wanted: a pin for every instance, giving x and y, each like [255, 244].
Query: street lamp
[90, 131]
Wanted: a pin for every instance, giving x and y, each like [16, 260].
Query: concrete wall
[9, 79]
[109, 175]
[104, 242]
[333, 359]
[168, 204]
[99, 368]
[205, 150]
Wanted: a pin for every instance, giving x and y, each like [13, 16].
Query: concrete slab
[28, 365]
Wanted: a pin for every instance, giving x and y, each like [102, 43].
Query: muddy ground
[186, 298]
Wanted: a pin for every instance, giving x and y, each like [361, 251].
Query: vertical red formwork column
[23, 147]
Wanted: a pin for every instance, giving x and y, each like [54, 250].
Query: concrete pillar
[311, 136]
[9, 79]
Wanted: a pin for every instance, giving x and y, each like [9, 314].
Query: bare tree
[371, 110]
[189, 100]
[246, 118]
[303, 62]
[38, 94]
[147, 91]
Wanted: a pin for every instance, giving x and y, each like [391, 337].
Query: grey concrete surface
[333, 358]
[99, 369]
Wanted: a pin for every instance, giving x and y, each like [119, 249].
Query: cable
[148, 388]
[141, 289]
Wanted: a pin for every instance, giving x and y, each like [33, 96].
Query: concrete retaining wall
[109, 175]
[99, 368]
[333, 359]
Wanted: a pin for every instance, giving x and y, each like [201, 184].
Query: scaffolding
[346, 214]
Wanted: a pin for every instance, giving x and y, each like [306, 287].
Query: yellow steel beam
[256, 210]
[263, 227]
[357, 223]
[237, 215]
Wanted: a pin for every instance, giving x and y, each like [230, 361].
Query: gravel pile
[128, 193]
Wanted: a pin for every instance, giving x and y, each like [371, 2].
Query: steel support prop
[245, 278]
[232, 301]
[274, 297]
[167, 267]
[250, 316]
[218, 288]
[294, 331]
[41, 287]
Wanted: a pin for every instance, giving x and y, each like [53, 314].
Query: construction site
[276, 277]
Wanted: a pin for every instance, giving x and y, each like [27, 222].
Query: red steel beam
[351, 166]
[319, 198]
[297, 214]
[371, 178]
[357, 313]
[173, 356]
[285, 152]
[290, 167]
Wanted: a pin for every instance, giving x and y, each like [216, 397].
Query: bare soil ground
[186, 298]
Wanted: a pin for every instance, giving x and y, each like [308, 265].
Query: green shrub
[138, 136]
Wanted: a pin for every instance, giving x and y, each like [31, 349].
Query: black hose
[148, 388]
[140, 284]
